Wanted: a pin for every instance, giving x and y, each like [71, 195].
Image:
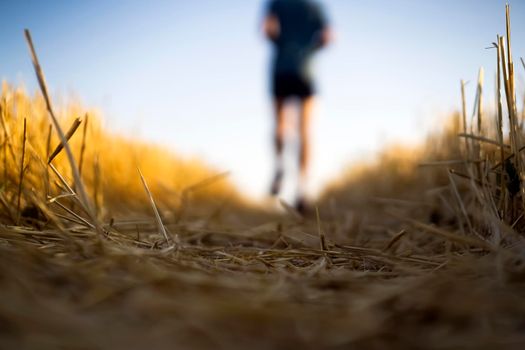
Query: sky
[193, 75]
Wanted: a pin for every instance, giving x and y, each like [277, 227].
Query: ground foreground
[279, 285]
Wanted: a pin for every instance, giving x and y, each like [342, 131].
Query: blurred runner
[297, 29]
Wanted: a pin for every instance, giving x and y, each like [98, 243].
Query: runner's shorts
[291, 85]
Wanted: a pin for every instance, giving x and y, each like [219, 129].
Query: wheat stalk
[84, 200]
[22, 171]
[160, 225]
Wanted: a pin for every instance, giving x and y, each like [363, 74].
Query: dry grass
[423, 250]
[108, 163]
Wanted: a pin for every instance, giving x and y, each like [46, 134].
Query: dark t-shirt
[301, 25]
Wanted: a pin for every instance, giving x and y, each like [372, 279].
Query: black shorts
[291, 85]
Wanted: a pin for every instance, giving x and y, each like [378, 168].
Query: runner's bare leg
[279, 137]
[306, 110]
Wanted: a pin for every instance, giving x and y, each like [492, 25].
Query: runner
[297, 29]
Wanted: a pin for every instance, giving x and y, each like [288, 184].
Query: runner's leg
[279, 137]
[306, 111]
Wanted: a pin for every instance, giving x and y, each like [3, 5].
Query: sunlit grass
[109, 162]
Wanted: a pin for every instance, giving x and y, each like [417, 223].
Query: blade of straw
[162, 229]
[83, 146]
[453, 237]
[481, 78]
[484, 139]
[43, 87]
[459, 201]
[207, 182]
[513, 110]
[48, 150]
[509, 48]
[290, 210]
[22, 171]
[62, 180]
[78, 217]
[499, 122]
[322, 242]
[464, 116]
[69, 134]
[7, 132]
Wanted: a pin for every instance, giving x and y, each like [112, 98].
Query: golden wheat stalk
[22, 171]
[83, 145]
[481, 78]
[499, 123]
[72, 129]
[160, 225]
[83, 198]
[464, 117]
[8, 145]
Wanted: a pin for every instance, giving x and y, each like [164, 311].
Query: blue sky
[192, 75]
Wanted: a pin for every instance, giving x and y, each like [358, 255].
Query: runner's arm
[271, 27]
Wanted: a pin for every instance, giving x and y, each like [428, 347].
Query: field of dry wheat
[110, 243]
